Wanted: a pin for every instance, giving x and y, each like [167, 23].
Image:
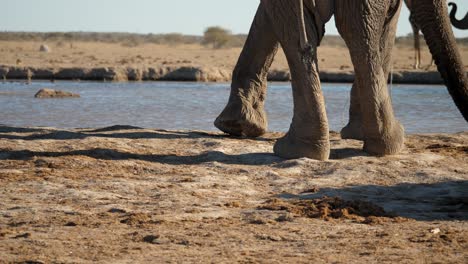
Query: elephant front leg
[308, 135]
[244, 114]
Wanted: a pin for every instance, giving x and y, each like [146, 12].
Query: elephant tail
[432, 18]
[460, 24]
[302, 28]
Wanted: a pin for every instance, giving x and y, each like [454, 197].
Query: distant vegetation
[215, 37]
[128, 39]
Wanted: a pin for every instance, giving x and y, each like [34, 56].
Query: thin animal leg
[417, 44]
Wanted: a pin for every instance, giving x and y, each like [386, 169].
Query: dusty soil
[92, 55]
[125, 194]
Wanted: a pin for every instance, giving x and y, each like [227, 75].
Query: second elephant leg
[308, 135]
[363, 33]
[353, 130]
[244, 114]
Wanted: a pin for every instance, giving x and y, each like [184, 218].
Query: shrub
[217, 37]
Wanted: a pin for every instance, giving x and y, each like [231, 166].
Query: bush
[217, 37]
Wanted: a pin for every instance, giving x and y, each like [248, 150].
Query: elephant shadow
[14, 133]
[53, 134]
[170, 159]
[107, 132]
[132, 132]
[423, 202]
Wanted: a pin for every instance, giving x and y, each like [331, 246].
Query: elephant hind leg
[353, 130]
[244, 114]
[370, 37]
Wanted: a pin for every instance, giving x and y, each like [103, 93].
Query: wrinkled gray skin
[432, 17]
[368, 28]
[460, 24]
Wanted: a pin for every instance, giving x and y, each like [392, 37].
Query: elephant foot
[352, 131]
[290, 147]
[238, 120]
[390, 143]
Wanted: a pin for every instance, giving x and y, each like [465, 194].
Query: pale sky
[146, 16]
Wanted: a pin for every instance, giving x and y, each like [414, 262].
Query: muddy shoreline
[190, 73]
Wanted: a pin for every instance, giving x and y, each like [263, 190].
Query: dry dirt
[95, 54]
[124, 195]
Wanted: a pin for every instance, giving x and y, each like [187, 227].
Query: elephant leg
[353, 130]
[308, 135]
[244, 114]
[369, 36]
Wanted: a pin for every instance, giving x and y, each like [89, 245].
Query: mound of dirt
[329, 208]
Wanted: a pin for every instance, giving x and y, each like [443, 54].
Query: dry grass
[98, 54]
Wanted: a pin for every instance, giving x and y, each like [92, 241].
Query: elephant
[460, 24]
[416, 29]
[368, 28]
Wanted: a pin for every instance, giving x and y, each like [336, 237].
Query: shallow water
[171, 105]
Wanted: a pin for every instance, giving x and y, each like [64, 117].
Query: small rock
[258, 221]
[157, 240]
[272, 174]
[25, 235]
[71, 224]
[41, 163]
[136, 219]
[311, 190]
[44, 48]
[435, 231]
[117, 211]
[183, 242]
[50, 93]
[285, 218]
[152, 239]
[233, 204]
[269, 237]
[31, 262]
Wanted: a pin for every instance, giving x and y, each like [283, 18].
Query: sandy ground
[92, 54]
[126, 195]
